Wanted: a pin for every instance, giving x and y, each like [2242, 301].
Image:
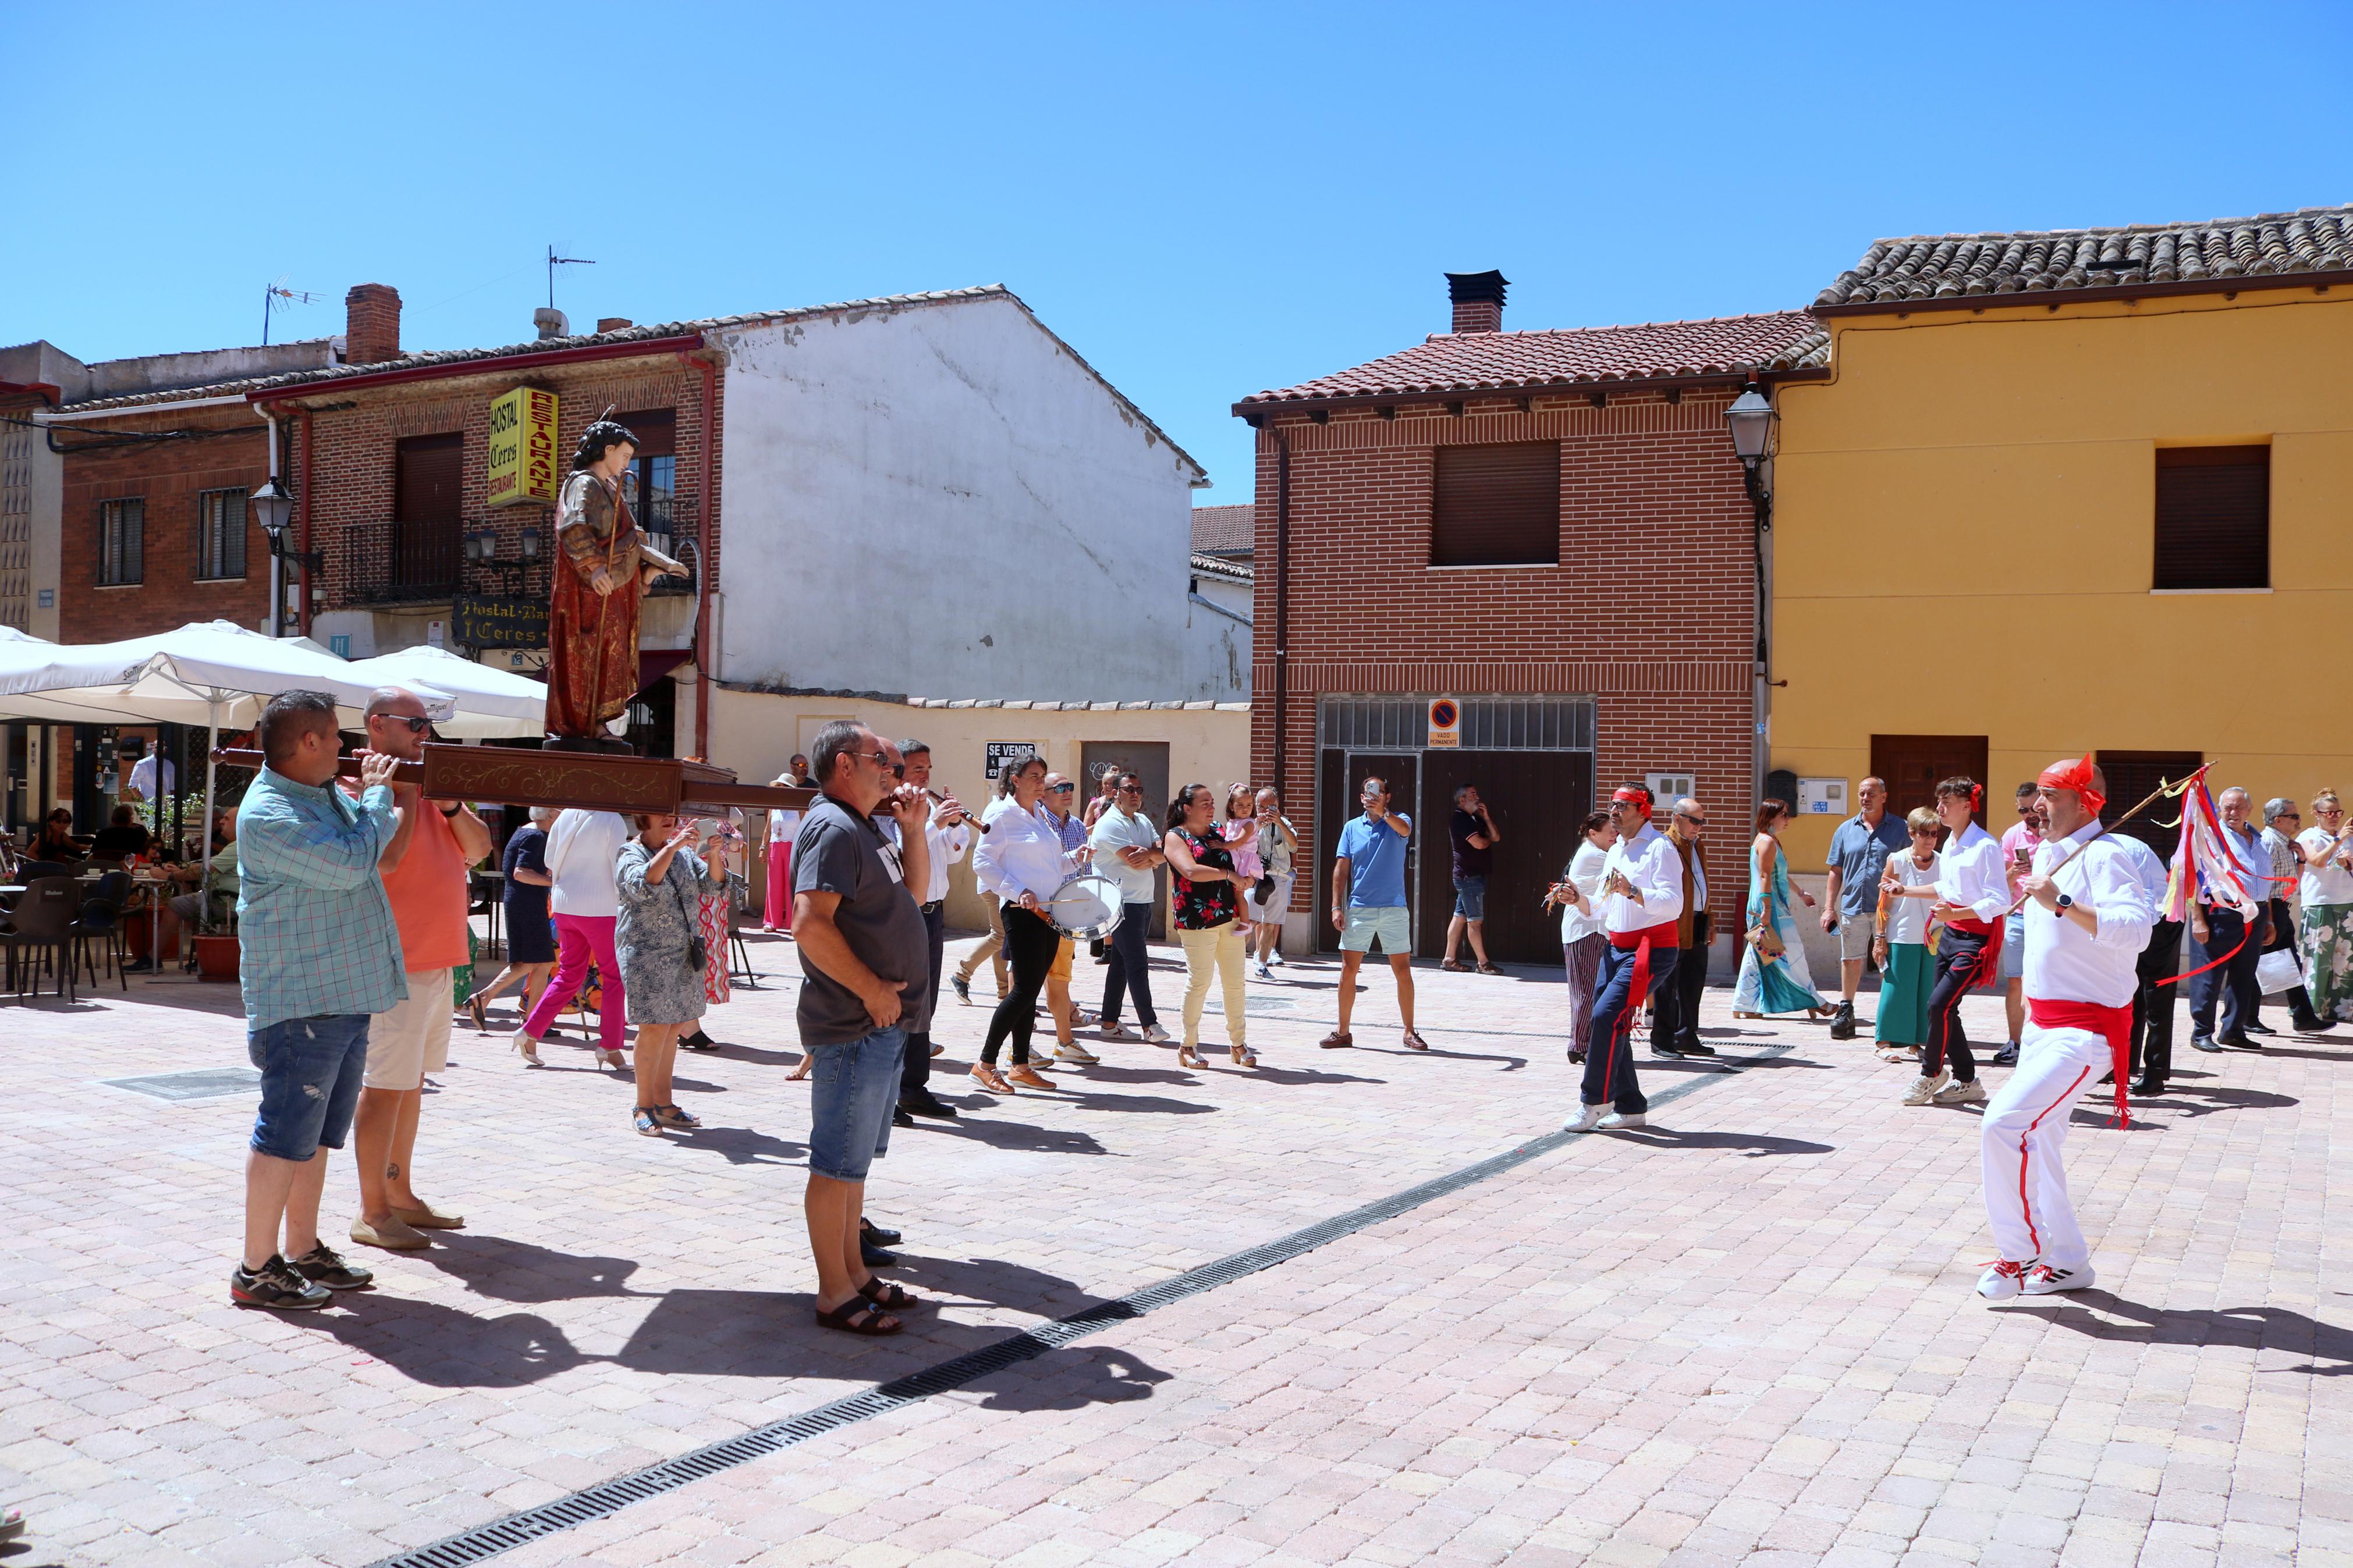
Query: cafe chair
[40, 923]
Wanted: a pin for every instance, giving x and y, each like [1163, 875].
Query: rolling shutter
[1496, 506]
[2213, 517]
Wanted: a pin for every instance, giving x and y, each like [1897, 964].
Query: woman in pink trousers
[581, 848]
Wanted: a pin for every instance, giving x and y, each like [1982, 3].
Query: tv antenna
[554, 261]
[275, 292]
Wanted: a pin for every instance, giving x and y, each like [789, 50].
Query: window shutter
[2213, 517]
[431, 471]
[1496, 506]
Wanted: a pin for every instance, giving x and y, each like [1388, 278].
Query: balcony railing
[409, 562]
[398, 562]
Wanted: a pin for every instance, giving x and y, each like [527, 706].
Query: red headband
[1637, 798]
[2077, 776]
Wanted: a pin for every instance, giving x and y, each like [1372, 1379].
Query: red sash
[1990, 955]
[2116, 1023]
[1663, 934]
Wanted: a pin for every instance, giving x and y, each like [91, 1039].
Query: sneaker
[1970, 1093]
[2257, 1027]
[1076, 1054]
[1694, 1048]
[323, 1264]
[1265, 972]
[962, 988]
[2006, 1057]
[276, 1285]
[1114, 1032]
[2044, 1280]
[1275, 959]
[1586, 1120]
[1623, 1122]
[1154, 1034]
[1026, 1075]
[2002, 1280]
[1924, 1090]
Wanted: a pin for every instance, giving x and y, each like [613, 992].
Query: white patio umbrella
[490, 704]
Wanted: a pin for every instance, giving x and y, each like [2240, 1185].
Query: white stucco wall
[1217, 646]
[940, 499]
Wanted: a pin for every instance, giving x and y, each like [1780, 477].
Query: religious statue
[602, 570]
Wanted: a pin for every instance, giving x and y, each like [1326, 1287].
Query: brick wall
[352, 451]
[168, 476]
[1650, 611]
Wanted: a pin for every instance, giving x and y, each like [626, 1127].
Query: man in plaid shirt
[320, 956]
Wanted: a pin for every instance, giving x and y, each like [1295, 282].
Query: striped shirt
[315, 928]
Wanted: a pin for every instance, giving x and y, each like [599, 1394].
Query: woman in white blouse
[1023, 863]
[1581, 935]
[2324, 853]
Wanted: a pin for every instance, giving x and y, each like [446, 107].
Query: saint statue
[603, 568]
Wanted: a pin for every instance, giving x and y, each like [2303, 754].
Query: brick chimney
[614, 323]
[1478, 301]
[372, 324]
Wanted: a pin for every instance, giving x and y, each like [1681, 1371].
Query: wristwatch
[2065, 903]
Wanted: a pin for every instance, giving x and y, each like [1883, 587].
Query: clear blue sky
[1204, 200]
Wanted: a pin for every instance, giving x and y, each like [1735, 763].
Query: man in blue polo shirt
[1858, 858]
[1368, 901]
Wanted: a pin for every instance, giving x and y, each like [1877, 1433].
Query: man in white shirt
[1641, 903]
[1972, 892]
[2088, 916]
[949, 836]
[1126, 845]
[143, 776]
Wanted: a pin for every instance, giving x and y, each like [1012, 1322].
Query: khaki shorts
[1061, 969]
[1854, 934]
[413, 1039]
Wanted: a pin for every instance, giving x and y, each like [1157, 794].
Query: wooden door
[428, 509]
[1536, 799]
[2132, 774]
[1913, 765]
[1338, 779]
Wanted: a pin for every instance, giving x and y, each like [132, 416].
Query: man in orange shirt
[424, 870]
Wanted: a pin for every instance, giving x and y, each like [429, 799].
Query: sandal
[1187, 1056]
[647, 1121]
[1453, 966]
[528, 1048]
[985, 1075]
[858, 1316]
[698, 1041]
[1244, 1057]
[1414, 1042]
[672, 1116]
[1488, 969]
[1338, 1040]
[482, 1023]
[887, 1293]
[809, 1060]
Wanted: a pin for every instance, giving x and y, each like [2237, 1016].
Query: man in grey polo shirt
[1859, 852]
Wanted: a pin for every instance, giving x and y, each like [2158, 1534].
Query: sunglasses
[1695, 821]
[416, 726]
[1065, 789]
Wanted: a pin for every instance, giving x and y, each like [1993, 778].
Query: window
[1496, 506]
[2131, 776]
[121, 541]
[220, 534]
[2213, 517]
[652, 484]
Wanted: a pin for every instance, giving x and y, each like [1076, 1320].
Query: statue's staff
[605, 600]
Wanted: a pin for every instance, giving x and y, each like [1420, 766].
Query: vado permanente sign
[522, 448]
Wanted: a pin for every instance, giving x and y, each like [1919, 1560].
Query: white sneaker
[1265, 972]
[1587, 1119]
[2044, 1280]
[1970, 1093]
[1274, 958]
[2002, 1280]
[1924, 1090]
[1114, 1032]
[1076, 1053]
[1614, 1123]
[1154, 1034]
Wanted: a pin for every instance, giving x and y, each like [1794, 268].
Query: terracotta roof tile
[1225, 530]
[1956, 266]
[1514, 362]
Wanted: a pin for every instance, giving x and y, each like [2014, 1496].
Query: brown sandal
[985, 1075]
[860, 1316]
[1414, 1042]
[1187, 1056]
[888, 1293]
[1338, 1040]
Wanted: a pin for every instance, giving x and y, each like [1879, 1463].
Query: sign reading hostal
[522, 448]
[482, 622]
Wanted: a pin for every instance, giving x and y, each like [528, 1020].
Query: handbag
[2278, 971]
[1766, 941]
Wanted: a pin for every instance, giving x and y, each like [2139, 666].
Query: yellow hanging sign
[522, 448]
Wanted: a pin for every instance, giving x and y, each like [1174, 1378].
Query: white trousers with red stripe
[2024, 1136]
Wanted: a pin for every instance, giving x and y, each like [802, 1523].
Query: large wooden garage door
[1536, 799]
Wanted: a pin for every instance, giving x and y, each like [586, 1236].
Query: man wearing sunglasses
[1674, 1005]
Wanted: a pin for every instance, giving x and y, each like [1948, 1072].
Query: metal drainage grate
[485, 1542]
[212, 1083]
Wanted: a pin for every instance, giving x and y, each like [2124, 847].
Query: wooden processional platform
[587, 781]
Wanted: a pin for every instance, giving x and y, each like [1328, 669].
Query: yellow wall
[1963, 542]
[755, 734]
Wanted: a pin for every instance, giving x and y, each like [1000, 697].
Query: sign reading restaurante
[522, 448]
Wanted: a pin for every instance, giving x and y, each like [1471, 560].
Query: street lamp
[274, 509]
[1751, 420]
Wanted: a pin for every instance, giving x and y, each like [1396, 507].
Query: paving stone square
[1747, 1335]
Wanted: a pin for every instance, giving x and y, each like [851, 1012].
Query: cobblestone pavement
[1745, 1336]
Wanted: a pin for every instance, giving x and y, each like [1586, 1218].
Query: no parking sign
[1445, 723]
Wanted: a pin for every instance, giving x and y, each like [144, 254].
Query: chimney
[1478, 301]
[614, 323]
[372, 324]
[551, 322]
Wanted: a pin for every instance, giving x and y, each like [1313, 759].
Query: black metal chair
[32, 871]
[42, 922]
[100, 921]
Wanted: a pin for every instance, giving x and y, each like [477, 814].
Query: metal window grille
[220, 534]
[121, 541]
[1489, 723]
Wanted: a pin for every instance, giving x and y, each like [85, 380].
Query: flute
[975, 824]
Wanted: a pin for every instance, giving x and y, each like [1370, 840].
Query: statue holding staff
[602, 571]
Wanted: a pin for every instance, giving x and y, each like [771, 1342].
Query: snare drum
[1086, 907]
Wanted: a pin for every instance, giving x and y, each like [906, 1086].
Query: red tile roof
[1225, 530]
[1514, 362]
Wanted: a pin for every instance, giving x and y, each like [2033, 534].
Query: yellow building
[2084, 490]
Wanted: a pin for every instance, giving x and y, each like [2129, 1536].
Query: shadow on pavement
[509, 1270]
[1020, 1137]
[2245, 1327]
[742, 1146]
[1161, 1103]
[1754, 1144]
[1072, 1379]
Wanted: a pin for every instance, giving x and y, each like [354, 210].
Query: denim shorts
[2013, 947]
[856, 1087]
[310, 1073]
[1471, 897]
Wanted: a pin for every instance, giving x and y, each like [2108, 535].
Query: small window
[653, 481]
[122, 542]
[1496, 506]
[2213, 517]
[220, 534]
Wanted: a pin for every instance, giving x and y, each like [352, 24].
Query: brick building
[1549, 528]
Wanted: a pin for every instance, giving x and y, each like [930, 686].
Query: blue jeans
[1610, 1059]
[1131, 967]
[310, 1073]
[850, 1106]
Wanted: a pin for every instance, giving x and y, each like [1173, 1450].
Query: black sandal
[887, 1293]
[858, 1316]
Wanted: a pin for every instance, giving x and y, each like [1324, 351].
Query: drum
[1086, 907]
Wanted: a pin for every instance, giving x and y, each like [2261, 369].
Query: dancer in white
[2088, 916]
